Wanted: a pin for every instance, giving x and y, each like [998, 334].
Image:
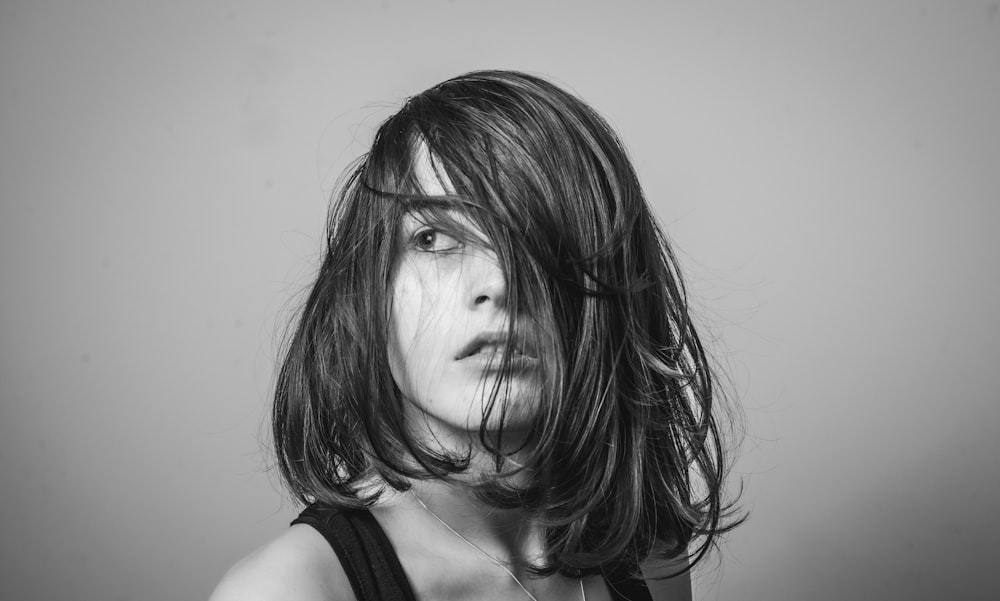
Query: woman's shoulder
[298, 565]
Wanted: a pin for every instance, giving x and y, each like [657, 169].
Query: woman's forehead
[429, 173]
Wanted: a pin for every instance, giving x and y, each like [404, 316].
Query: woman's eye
[431, 240]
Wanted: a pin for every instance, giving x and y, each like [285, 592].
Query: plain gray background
[829, 172]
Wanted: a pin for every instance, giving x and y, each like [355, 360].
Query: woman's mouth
[493, 350]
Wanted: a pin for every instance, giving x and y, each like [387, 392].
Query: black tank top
[374, 570]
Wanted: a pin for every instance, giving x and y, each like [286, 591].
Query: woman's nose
[487, 284]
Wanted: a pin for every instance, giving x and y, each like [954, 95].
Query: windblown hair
[628, 460]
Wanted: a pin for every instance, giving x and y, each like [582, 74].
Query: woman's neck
[455, 546]
[453, 510]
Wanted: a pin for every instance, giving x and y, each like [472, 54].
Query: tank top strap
[364, 551]
[624, 587]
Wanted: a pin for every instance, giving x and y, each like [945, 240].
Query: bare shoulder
[298, 565]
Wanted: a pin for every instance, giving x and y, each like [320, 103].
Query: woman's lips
[493, 343]
[491, 357]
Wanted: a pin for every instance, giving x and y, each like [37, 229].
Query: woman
[494, 390]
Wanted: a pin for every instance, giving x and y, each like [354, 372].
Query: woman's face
[449, 324]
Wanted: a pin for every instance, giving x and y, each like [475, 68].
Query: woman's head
[493, 267]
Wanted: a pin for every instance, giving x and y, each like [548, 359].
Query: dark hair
[628, 454]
